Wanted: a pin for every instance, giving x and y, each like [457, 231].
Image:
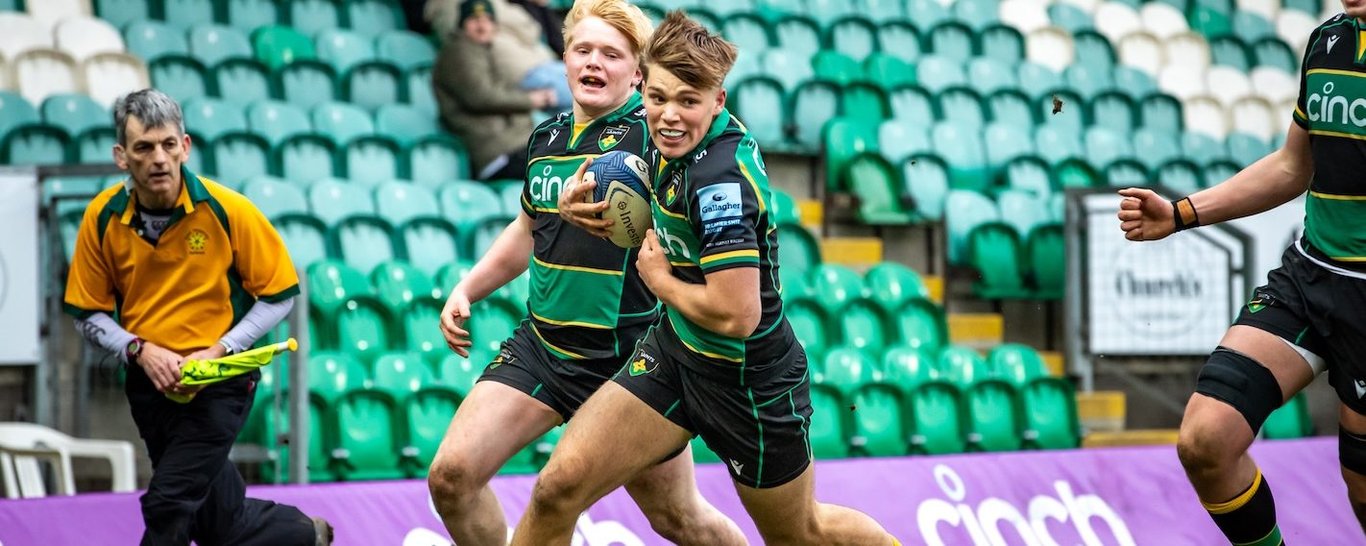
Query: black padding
[1352, 451]
[1240, 382]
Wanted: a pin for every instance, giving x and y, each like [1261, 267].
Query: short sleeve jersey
[1332, 108]
[711, 213]
[217, 255]
[587, 301]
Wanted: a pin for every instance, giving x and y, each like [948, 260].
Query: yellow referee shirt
[215, 258]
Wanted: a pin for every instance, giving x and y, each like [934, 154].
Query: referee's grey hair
[153, 108]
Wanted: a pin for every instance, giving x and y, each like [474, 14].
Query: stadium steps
[981, 331]
[1146, 437]
[812, 212]
[857, 253]
[935, 284]
[1057, 367]
[1101, 411]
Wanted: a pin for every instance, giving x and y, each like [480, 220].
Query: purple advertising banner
[1129, 496]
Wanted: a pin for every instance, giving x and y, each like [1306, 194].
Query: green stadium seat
[827, 12]
[835, 67]
[1075, 173]
[1251, 27]
[1291, 420]
[331, 376]
[1036, 79]
[438, 240]
[1104, 145]
[449, 275]
[926, 13]
[890, 285]
[937, 425]
[1134, 82]
[879, 190]
[1022, 210]
[964, 366]
[365, 241]
[311, 16]
[369, 440]
[818, 103]
[1245, 149]
[920, 324]
[961, 106]
[418, 88]
[758, 100]
[865, 326]
[834, 286]
[115, 12]
[212, 44]
[517, 290]
[1071, 119]
[1069, 17]
[1005, 142]
[332, 284]
[239, 156]
[783, 208]
[35, 144]
[180, 76]
[1050, 415]
[249, 80]
[187, 13]
[1010, 106]
[307, 83]
[878, 429]
[95, 145]
[374, 17]
[1002, 43]
[73, 113]
[436, 160]
[275, 197]
[936, 72]
[883, 10]
[994, 249]
[748, 31]
[152, 39]
[1219, 171]
[844, 139]
[211, 118]
[913, 104]
[461, 373]
[1028, 174]
[1154, 148]
[900, 39]
[249, 15]
[1093, 50]
[899, 139]
[420, 320]
[977, 14]
[404, 49]
[907, 368]
[1115, 110]
[1017, 363]
[305, 237]
[927, 181]
[332, 200]
[812, 327]
[1088, 81]
[468, 202]
[789, 68]
[826, 432]
[888, 71]
[1230, 51]
[372, 160]
[1182, 175]
[279, 46]
[952, 40]
[1161, 112]
[962, 149]
[1201, 148]
[399, 202]
[749, 63]
[510, 193]
[1046, 258]
[492, 321]
[798, 35]
[305, 157]
[404, 124]
[427, 414]
[276, 121]
[798, 252]
[15, 111]
[399, 285]
[478, 237]
[1056, 145]
[993, 415]
[400, 374]
[365, 328]
[853, 36]
[1123, 173]
[1311, 7]
[988, 75]
[846, 369]
[373, 84]
[342, 49]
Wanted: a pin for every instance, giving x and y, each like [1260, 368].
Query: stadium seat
[111, 75]
[994, 249]
[468, 202]
[1050, 415]
[188, 13]
[438, 240]
[1005, 142]
[748, 31]
[305, 237]
[364, 328]
[1134, 82]
[399, 202]
[899, 139]
[461, 373]
[993, 417]
[812, 327]
[1016, 363]
[1142, 51]
[1201, 148]
[152, 39]
[988, 75]
[758, 100]
[95, 145]
[834, 286]
[510, 192]
[307, 83]
[180, 76]
[213, 44]
[418, 87]
[38, 73]
[927, 182]
[83, 37]
[818, 102]
[1037, 79]
[1291, 420]
[1104, 146]
[405, 49]
[1126, 172]
[331, 375]
[22, 33]
[962, 149]
[864, 101]
[369, 160]
[799, 36]
[374, 17]
[435, 160]
[845, 370]
[422, 335]
[1274, 53]
[365, 241]
[900, 39]
[1044, 250]
[935, 72]
[248, 80]
[852, 36]
[888, 71]
[369, 444]
[305, 157]
[927, 13]
[212, 118]
[1011, 107]
[277, 121]
[406, 125]
[372, 84]
[961, 106]
[1028, 175]
[920, 324]
[1022, 210]
[937, 426]
[907, 368]
[343, 49]
[278, 46]
[332, 284]
[73, 113]
[425, 407]
[843, 140]
[35, 144]
[798, 251]
[121, 13]
[1116, 109]
[891, 285]
[826, 431]
[1088, 81]
[1181, 175]
[913, 104]
[239, 156]
[311, 16]
[865, 326]
[249, 15]
[492, 320]
[1231, 52]
[1068, 17]
[275, 197]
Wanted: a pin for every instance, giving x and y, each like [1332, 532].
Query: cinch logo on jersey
[547, 180]
[1336, 105]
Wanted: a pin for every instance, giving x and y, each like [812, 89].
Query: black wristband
[1183, 213]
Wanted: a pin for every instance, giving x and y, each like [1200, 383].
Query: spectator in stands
[1306, 319]
[723, 363]
[551, 23]
[478, 90]
[153, 251]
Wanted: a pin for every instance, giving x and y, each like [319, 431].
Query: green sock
[1249, 519]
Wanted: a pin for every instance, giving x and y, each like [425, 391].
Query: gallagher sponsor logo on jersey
[1336, 103]
[720, 201]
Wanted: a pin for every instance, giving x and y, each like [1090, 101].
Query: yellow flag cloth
[207, 372]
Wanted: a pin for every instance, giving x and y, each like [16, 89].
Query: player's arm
[577, 207]
[1273, 180]
[505, 260]
[728, 303]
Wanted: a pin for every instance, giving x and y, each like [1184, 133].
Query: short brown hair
[619, 14]
[690, 52]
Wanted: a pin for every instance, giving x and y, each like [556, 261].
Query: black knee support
[1352, 451]
[1240, 382]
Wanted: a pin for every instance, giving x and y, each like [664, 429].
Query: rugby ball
[622, 180]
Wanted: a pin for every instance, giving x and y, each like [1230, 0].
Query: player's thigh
[788, 510]
[611, 439]
[490, 426]
[1352, 451]
[1251, 374]
[667, 486]
[1288, 364]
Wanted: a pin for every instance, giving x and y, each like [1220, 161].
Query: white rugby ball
[622, 180]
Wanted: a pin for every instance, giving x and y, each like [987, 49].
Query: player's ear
[120, 157]
[720, 102]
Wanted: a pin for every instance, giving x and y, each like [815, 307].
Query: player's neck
[157, 200]
[582, 116]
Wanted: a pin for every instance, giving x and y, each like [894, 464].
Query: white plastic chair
[5, 80]
[1143, 51]
[1088, 6]
[1162, 19]
[1254, 116]
[22, 33]
[1188, 49]
[1205, 115]
[42, 72]
[1265, 8]
[1051, 47]
[1274, 84]
[50, 12]
[111, 75]
[1182, 81]
[84, 37]
[1282, 115]
[1025, 15]
[1115, 20]
[1227, 84]
[1293, 28]
[22, 445]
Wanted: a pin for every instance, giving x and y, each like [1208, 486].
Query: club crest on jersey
[671, 192]
[643, 365]
[612, 136]
[197, 241]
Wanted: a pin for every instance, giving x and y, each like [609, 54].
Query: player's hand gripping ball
[622, 180]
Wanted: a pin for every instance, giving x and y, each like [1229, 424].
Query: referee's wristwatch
[133, 350]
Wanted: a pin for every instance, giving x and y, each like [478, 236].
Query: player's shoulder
[112, 199]
[722, 158]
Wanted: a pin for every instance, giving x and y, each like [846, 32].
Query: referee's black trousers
[195, 492]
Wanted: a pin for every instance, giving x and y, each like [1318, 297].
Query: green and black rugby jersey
[711, 213]
[587, 301]
[1332, 107]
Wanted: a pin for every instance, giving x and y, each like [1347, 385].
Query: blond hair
[620, 15]
[690, 52]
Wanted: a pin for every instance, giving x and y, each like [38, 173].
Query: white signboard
[1176, 296]
[19, 286]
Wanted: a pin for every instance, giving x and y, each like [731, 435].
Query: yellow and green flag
[207, 372]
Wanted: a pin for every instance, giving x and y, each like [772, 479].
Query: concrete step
[935, 284]
[1057, 366]
[981, 331]
[858, 253]
[812, 213]
[1101, 411]
[1148, 437]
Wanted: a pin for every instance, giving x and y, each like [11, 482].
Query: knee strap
[1240, 382]
[1352, 451]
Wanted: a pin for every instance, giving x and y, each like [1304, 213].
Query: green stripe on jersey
[560, 295]
[1334, 224]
